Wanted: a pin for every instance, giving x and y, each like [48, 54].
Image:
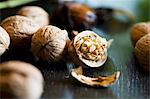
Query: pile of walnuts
[30, 29]
[18, 79]
[140, 37]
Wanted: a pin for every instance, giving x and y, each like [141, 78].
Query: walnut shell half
[88, 49]
[100, 81]
[20, 80]
[49, 43]
[4, 40]
[20, 30]
[38, 14]
[142, 52]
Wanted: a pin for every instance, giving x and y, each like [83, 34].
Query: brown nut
[38, 14]
[142, 52]
[20, 80]
[74, 16]
[49, 43]
[4, 40]
[139, 30]
[20, 30]
[88, 49]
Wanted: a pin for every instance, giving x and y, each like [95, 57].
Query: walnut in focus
[139, 30]
[38, 14]
[4, 40]
[49, 43]
[20, 80]
[142, 52]
[20, 30]
[88, 49]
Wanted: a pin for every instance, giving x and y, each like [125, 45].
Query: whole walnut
[38, 14]
[4, 40]
[20, 80]
[139, 30]
[142, 52]
[74, 16]
[49, 43]
[20, 30]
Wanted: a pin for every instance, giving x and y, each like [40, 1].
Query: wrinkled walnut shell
[74, 16]
[20, 80]
[49, 43]
[20, 30]
[100, 81]
[4, 40]
[139, 30]
[142, 52]
[38, 14]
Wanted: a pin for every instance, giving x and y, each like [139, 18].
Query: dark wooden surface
[134, 83]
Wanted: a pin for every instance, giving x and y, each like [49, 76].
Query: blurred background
[137, 7]
[113, 15]
[140, 8]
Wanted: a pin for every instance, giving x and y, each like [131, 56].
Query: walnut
[38, 14]
[139, 30]
[49, 43]
[20, 30]
[89, 49]
[20, 80]
[74, 16]
[142, 52]
[4, 40]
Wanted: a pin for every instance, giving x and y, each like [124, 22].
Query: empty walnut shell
[88, 49]
[142, 52]
[100, 81]
[4, 40]
[49, 43]
[139, 30]
[38, 14]
[20, 30]
[20, 80]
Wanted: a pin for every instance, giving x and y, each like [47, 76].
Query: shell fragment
[100, 81]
